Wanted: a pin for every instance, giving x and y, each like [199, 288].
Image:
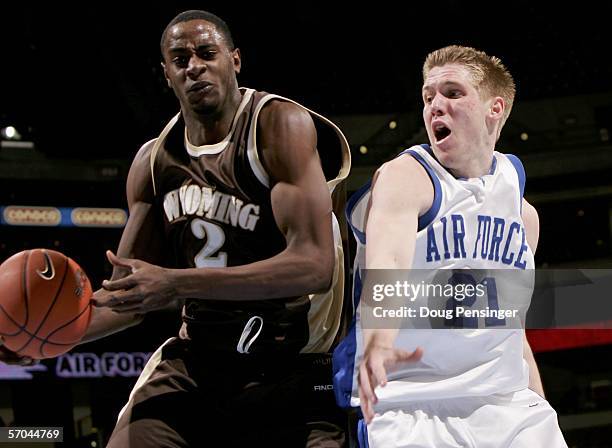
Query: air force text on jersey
[494, 238]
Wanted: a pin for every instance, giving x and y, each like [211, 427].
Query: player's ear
[236, 60]
[166, 74]
[498, 106]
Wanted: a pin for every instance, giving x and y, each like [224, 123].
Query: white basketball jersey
[472, 224]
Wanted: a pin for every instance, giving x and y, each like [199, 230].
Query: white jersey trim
[146, 373]
[196, 151]
[216, 148]
[253, 153]
[158, 143]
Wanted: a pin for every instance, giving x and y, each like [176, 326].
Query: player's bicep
[301, 201]
[139, 185]
[303, 214]
[391, 230]
[400, 192]
[141, 235]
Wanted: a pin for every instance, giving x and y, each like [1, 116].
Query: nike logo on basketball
[49, 271]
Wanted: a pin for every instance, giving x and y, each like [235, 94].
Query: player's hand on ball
[10, 357]
[147, 287]
[377, 360]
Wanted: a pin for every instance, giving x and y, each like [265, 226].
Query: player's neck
[208, 129]
[474, 168]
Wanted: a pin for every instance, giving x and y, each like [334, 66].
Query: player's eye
[180, 61]
[208, 55]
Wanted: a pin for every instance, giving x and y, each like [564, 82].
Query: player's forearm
[291, 273]
[105, 322]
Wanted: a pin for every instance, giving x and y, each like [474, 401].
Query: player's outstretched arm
[140, 239]
[301, 205]
[401, 191]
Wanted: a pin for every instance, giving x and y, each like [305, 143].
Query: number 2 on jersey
[213, 237]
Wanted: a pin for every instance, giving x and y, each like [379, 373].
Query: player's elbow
[320, 271]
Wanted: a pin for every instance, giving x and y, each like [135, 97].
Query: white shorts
[518, 420]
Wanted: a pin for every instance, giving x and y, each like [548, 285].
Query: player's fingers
[125, 302]
[405, 356]
[365, 381]
[27, 361]
[366, 410]
[10, 357]
[365, 404]
[122, 283]
[111, 298]
[400, 356]
[115, 260]
[380, 374]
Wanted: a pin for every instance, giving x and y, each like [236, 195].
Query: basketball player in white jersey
[454, 204]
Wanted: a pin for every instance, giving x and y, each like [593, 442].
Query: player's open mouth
[441, 132]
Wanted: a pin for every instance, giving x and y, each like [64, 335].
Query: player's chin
[444, 145]
[206, 105]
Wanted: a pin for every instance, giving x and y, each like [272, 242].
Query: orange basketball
[45, 304]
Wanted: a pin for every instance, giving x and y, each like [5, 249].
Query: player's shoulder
[142, 158]
[139, 181]
[405, 168]
[287, 138]
[404, 179]
[284, 116]
[144, 153]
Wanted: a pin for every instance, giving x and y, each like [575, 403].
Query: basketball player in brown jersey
[230, 210]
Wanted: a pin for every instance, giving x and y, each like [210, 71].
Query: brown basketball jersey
[215, 202]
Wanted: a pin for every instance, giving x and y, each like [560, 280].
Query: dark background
[92, 75]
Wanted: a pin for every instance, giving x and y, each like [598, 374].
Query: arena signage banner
[81, 365]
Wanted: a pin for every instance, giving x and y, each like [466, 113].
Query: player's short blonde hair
[490, 76]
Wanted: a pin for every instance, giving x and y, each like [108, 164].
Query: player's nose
[196, 67]
[438, 105]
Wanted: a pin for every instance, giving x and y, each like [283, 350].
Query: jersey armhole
[520, 171]
[253, 152]
[350, 206]
[428, 217]
[157, 145]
